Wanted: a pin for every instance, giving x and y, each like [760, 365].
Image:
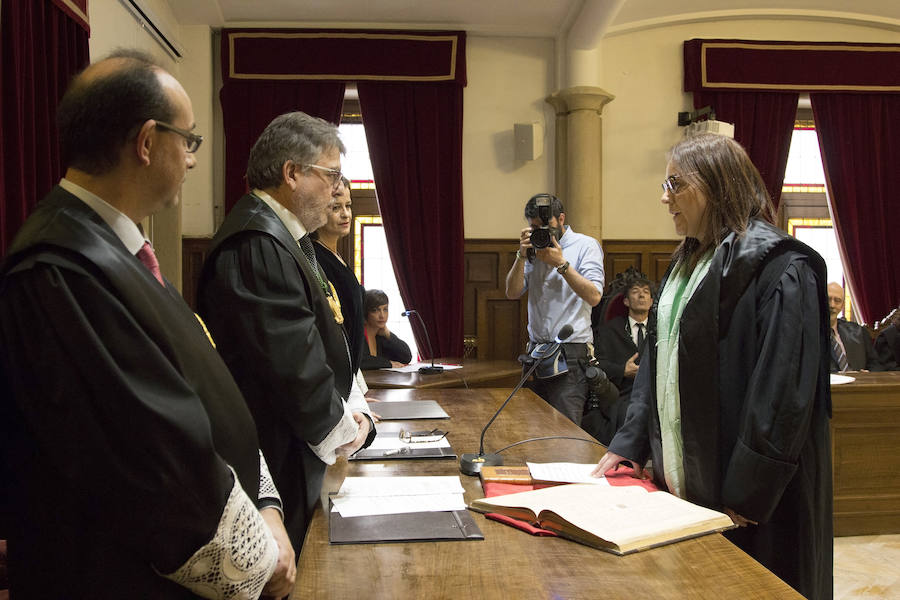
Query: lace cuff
[240, 558]
[345, 431]
[268, 493]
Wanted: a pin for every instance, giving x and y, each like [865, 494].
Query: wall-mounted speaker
[529, 140]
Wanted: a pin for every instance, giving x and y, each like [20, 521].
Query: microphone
[470, 464]
[425, 370]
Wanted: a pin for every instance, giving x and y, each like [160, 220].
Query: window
[805, 211]
[371, 259]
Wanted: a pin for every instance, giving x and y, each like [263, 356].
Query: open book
[620, 520]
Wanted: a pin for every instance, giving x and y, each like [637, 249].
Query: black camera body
[540, 236]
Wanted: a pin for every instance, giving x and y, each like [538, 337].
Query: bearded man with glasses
[276, 318]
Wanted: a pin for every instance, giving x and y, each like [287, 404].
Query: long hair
[718, 167]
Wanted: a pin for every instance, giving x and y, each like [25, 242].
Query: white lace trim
[240, 558]
[267, 487]
[345, 431]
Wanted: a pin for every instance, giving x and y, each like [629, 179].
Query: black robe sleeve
[887, 348]
[121, 438]
[777, 408]
[393, 348]
[609, 350]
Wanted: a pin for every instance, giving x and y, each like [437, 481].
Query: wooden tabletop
[508, 563]
[474, 373]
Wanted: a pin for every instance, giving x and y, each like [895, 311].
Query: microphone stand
[433, 369]
[471, 464]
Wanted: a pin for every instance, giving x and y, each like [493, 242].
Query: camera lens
[540, 238]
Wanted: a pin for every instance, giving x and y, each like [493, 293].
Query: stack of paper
[363, 496]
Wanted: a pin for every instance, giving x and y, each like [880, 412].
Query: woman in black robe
[342, 277]
[732, 401]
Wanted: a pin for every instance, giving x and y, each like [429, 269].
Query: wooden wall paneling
[501, 328]
[193, 253]
[648, 256]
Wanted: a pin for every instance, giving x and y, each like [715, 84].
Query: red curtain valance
[716, 65]
[345, 55]
[77, 10]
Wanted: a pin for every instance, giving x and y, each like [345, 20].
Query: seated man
[617, 346]
[851, 344]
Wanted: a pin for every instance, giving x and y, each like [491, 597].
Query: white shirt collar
[290, 220]
[632, 322]
[122, 226]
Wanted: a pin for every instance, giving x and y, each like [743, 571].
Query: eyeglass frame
[409, 437]
[336, 174]
[668, 184]
[193, 139]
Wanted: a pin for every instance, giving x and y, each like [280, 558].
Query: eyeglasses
[671, 185]
[417, 437]
[335, 174]
[193, 140]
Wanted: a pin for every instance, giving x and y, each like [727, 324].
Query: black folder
[403, 527]
[406, 452]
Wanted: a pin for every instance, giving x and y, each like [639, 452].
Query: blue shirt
[551, 302]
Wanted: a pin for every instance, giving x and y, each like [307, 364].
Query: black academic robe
[887, 348]
[118, 419]
[613, 346]
[351, 295]
[275, 330]
[755, 403]
[858, 346]
[387, 349]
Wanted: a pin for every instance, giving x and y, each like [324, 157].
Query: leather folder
[409, 409]
[404, 527]
[409, 452]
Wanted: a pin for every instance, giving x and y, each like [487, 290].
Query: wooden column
[579, 155]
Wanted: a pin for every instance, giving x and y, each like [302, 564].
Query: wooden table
[865, 443]
[474, 373]
[510, 564]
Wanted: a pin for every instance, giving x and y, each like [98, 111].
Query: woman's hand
[610, 461]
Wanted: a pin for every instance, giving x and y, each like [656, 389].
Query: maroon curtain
[42, 47]
[248, 106]
[763, 124]
[414, 132]
[859, 135]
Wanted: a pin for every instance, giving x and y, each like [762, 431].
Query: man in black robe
[275, 316]
[130, 462]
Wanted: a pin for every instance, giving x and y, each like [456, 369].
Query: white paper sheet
[565, 472]
[361, 496]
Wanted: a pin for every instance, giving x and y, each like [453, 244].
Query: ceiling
[538, 18]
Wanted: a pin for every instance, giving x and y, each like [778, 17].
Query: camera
[602, 393]
[540, 236]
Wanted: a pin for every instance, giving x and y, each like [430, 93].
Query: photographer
[563, 273]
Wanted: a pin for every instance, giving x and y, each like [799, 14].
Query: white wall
[508, 79]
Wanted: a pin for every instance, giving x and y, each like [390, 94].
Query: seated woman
[383, 349]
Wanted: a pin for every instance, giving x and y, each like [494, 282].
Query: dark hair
[374, 299]
[628, 279]
[556, 206]
[295, 137]
[97, 115]
[719, 168]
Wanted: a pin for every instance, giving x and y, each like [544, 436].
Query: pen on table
[391, 452]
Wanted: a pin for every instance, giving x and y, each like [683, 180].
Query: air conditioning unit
[709, 126]
[154, 27]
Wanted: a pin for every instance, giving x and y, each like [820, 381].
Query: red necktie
[148, 257]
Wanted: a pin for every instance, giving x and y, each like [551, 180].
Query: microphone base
[470, 464]
[432, 370]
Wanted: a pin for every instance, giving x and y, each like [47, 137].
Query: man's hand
[282, 581]
[611, 461]
[525, 240]
[361, 434]
[631, 368]
[552, 255]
